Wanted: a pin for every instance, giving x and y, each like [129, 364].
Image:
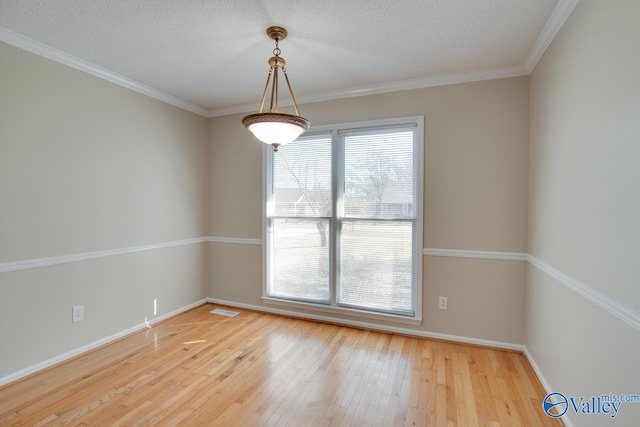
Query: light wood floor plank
[263, 370]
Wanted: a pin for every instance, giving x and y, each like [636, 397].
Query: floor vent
[227, 313]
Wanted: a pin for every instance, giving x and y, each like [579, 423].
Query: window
[343, 218]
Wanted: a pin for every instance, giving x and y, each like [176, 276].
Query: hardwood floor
[258, 369]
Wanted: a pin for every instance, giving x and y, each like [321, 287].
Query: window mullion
[336, 204]
[267, 197]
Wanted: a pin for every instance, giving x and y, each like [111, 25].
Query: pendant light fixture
[273, 127]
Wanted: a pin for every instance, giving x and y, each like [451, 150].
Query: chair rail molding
[84, 256]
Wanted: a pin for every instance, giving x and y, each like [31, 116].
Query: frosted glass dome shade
[276, 128]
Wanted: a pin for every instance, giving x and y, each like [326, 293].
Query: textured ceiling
[214, 53]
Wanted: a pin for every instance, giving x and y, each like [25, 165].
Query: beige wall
[475, 198]
[545, 164]
[86, 165]
[585, 203]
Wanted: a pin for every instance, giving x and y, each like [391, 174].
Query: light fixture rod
[264, 92]
[293, 98]
[274, 85]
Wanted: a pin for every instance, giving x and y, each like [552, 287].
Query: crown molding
[41, 49]
[399, 85]
[556, 21]
[558, 17]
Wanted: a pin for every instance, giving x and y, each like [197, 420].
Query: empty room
[296, 213]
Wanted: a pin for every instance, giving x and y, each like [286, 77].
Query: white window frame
[267, 161]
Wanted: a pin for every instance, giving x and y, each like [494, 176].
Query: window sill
[344, 311]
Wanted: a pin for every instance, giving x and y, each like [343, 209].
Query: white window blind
[343, 217]
[300, 221]
[375, 267]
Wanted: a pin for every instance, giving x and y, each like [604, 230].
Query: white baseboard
[544, 382]
[373, 326]
[75, 352]
[537, 370]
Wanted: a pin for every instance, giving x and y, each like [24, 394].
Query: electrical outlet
[442, 303]
[77, 313]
